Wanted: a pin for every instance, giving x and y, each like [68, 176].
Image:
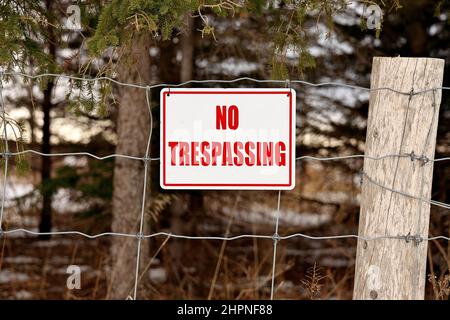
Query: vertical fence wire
[6, 153]
[140, 235]
[276, 238]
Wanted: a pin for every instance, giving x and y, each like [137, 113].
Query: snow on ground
[74, 161]
[256, 213]
[60, 241]
[23, 294]
[62, 202]
[21, 260]
[158, 275]
[7, 276]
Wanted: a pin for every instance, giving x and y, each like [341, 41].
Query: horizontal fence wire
[146, 158]
[114, 155]
[284, 82]
[407, 237]
[219, 238]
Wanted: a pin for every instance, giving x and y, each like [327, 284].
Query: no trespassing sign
[228, 139]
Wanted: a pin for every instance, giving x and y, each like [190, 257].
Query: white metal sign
[228, 138]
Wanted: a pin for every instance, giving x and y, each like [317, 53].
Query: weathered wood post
[398, 124]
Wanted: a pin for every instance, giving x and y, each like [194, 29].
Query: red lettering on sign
[227, 119]
[227, 153]
[233, 117]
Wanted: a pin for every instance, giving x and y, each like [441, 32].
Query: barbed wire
[139, 236]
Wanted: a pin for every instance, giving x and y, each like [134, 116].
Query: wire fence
[276, 238]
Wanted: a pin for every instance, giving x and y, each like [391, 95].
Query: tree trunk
[45, 224]
[133, 124]
[46, 190]
[178, 209]
[187, 50]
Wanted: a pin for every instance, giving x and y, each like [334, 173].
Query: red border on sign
[226, 184]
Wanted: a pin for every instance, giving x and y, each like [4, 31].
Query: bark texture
[133, 125]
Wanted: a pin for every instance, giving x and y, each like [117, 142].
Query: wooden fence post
[397, 124]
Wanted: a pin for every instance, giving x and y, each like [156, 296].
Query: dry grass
[312, 282]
